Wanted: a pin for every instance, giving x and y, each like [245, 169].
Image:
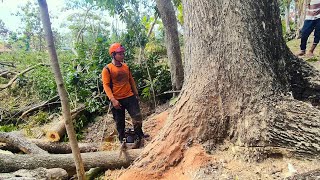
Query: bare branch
[23, 72]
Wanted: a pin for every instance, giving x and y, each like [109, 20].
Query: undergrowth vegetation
[82, 78]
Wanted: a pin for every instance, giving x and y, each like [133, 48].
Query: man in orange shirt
[121, 89]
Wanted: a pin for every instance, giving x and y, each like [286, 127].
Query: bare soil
[197, 164]
[222, 164]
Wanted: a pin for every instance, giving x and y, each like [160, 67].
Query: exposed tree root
[304, 79]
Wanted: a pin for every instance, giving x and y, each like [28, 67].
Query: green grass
[294, 46]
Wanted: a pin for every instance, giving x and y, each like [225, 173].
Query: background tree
[286, 4]
[248, 90]
[61, 89]
[169, 20]
[4, 32]
[31, 26]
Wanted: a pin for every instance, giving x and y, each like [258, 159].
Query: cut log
[17, 140]
[54, 147]
[39, 173]
[106, 160]
[55, 133]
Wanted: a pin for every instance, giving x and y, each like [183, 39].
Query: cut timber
[55, 147]
[59, 129]
[56, 132]
[39, 173]
[17, 140]
[106, 160]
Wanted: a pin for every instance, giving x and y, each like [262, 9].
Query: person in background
[121, 90]
[312, 22]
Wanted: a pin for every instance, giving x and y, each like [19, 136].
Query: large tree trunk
[107, 160]
[241, 86]
[61, 89]
[169, 20]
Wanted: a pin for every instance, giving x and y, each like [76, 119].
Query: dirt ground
[222, 164]
[197, 164]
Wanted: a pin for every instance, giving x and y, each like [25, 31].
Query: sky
[7, 7]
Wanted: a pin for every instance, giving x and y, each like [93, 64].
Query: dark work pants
[132, 106]
[308, 27]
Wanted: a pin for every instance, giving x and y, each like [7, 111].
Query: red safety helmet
[116, 48]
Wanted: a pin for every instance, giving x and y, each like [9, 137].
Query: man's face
[119, 56]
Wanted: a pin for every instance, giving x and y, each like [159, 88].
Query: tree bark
[15, 139]
[39, 173]
[241, 87]
[169, 20]
[55, 133]
[55, 148]
[61, 89]
[107, 160]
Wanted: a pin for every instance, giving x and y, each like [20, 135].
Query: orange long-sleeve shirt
[123, 84]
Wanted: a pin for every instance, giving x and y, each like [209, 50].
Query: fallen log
[55, 133]
[17, 140]
[39, 173]
[54, 147]
[106, 160]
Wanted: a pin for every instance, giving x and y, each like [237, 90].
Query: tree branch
[23, 72]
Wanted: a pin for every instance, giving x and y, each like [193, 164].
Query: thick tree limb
[23, 72]
[58, 130]
[39, 173]
[17, 140]
[55, 148]
[107, 160]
